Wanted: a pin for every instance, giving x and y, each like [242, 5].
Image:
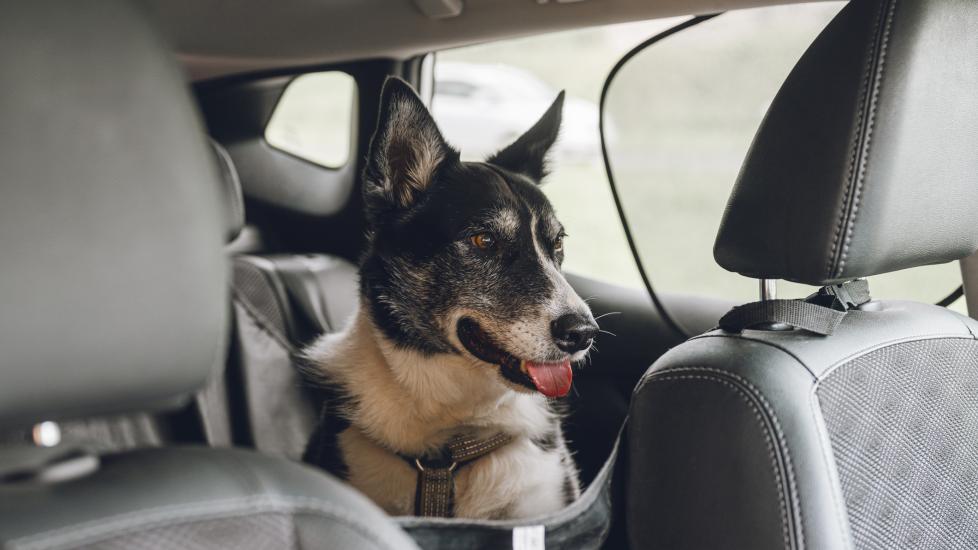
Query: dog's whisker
[607, 332]
[607, 314]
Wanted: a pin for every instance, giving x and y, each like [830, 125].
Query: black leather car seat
[114, 293]
[867, 162]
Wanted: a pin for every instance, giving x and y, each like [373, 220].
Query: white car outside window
[481, 108]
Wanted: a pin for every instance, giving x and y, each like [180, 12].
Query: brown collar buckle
[421, 468]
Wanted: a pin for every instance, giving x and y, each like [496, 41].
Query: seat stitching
[816, 402]
[828, 459]
[853, 155]
[113, 526]
[967, 327]
[749, 338]
[879, 345]
[863, 144]
[715, 376]
[765, 430]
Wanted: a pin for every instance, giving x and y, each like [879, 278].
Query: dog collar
[435, 494]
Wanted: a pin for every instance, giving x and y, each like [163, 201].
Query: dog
[466, 329]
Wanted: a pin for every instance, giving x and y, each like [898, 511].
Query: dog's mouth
[551, 378]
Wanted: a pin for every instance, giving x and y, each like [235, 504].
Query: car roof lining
[213, 40]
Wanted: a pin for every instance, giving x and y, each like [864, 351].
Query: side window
[454, 88]
[486, 96]
[314, 118]
[683, 114]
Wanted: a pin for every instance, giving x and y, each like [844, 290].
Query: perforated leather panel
[903, 421]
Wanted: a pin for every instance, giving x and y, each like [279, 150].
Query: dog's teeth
[523, 367]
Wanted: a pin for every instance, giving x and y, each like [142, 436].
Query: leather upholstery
[865, 162]
[188, 498]
[113, 283]
[234, 213]
[114, 299]
[727, 447]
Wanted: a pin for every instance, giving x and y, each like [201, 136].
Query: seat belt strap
[819, 313]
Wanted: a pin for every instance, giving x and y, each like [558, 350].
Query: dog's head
[464, 257]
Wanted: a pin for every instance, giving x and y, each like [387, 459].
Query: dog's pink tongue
[551, 379]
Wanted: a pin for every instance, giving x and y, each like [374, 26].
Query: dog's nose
[573, 332]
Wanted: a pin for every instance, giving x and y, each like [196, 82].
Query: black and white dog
[466, 326]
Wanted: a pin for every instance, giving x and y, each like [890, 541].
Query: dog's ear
[528, 154]
[406, 150]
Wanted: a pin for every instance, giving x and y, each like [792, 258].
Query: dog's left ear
[528, 154]
[405, 152]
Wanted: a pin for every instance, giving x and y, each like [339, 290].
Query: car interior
[166, 265]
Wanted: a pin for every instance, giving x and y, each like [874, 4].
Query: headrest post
[969, 278]
[768, 288]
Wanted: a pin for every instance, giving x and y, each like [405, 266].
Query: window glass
[486, 96]
[684, 112]
[681, 115]
[314, 118]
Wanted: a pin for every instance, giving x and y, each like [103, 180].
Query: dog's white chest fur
[401, 400]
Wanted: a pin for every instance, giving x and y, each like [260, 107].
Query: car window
[684, 112]
[507, 86]
[455, 88]
[314, 118]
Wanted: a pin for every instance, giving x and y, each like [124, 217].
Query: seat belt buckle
[843, 296]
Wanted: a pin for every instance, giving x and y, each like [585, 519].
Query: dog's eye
[483, 241]
[559, 244]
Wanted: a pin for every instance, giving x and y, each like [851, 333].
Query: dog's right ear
[528, 154]
[405, 152]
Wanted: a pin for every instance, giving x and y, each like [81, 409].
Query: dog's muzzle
[551, 378]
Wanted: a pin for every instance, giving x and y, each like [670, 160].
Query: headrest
[112, 290]
[234, 214]
[867, 160]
